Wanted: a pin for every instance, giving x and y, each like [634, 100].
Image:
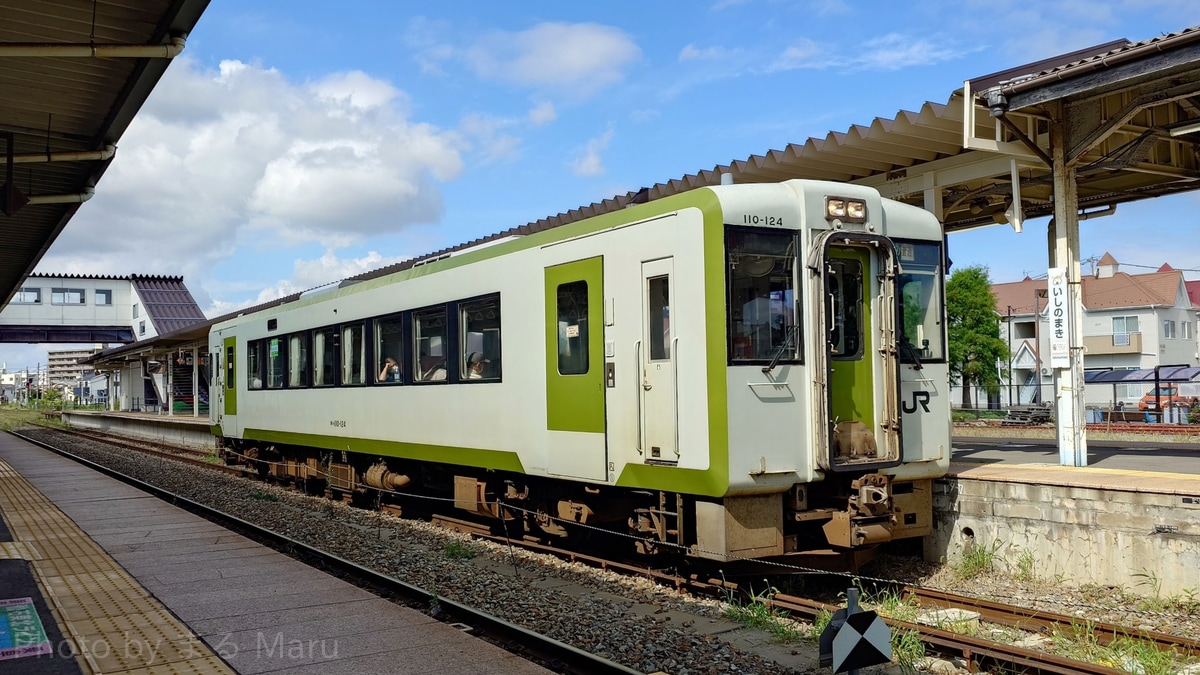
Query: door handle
[647, 386]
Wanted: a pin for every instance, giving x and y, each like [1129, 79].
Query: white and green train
[739, 372]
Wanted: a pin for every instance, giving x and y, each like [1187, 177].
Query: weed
[1025, 564]
[1125, 653]
[264, 496]
[819, 624]
[907, 649]
[893, 604]
[758, 614]
[459, 550]
[977, 560]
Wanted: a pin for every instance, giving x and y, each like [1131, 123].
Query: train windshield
[762, 296]
[920, 294]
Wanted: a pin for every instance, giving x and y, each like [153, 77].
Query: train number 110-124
[770, 221]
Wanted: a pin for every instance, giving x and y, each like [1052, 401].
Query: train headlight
[851, 210]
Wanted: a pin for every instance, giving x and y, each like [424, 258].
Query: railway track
[977, 652]
[555, 655]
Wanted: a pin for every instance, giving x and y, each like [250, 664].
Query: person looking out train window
[475, 365]
[390, 371]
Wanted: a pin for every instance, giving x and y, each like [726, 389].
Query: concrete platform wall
[1144, 542]
[181, 432]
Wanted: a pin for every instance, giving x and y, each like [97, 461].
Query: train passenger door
[575, 412]
[229, 393]
[657, 365]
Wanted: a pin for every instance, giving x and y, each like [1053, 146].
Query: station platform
[1091, 477]
[184, 431]
[125, 583]
[1085, 525]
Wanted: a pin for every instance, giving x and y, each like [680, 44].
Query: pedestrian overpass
[97, 309]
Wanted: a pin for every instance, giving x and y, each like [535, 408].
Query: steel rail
[561, 656]
[1023, 617]
[974, 650]
[169, 452]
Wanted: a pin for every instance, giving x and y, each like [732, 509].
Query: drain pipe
[77, 198]
[67, 50]
[81, 156]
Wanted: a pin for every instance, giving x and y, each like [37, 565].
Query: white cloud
[218, 158]
[578, 59]
[542, 113]
[326, 269]
[589, 163]
[803, 54]
[692, 52]
[885, 53]
[487, 135]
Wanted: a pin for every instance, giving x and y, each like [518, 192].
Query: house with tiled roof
[1130, 321]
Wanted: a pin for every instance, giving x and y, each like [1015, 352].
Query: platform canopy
[73, 75]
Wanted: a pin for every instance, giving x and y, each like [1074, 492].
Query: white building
[1130, 321]
[97, 309]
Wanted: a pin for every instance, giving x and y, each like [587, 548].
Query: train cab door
[575, 408]
[855, 288]
[657, 365]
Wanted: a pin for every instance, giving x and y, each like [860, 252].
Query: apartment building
[63, 365]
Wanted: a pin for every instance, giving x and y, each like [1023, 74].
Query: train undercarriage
[837, 524]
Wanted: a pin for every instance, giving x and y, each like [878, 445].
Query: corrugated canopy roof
[1165, 374]
[167, 302]
[58, 102]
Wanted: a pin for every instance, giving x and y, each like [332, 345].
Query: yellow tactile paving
[114, 625]
[17, 550]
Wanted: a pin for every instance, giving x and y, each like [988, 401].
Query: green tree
[974, 331]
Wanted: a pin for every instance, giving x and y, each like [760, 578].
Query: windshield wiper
[787, 342]
[911, 352]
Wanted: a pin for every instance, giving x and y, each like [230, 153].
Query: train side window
[354, 357]
[762, 296]
[573, 328]
[389, 349]
[229, 383]
[297, 354]
[429, 345]
[659, 303]
[254, 364]
[275, 363]
[480, 339]
[325, 341]
[920, 293]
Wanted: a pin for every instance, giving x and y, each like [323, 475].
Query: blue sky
[299, 142]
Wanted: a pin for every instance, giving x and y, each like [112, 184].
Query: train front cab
[848, 356]
[873, 298]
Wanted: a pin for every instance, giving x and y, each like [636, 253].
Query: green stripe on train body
[485, 459]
